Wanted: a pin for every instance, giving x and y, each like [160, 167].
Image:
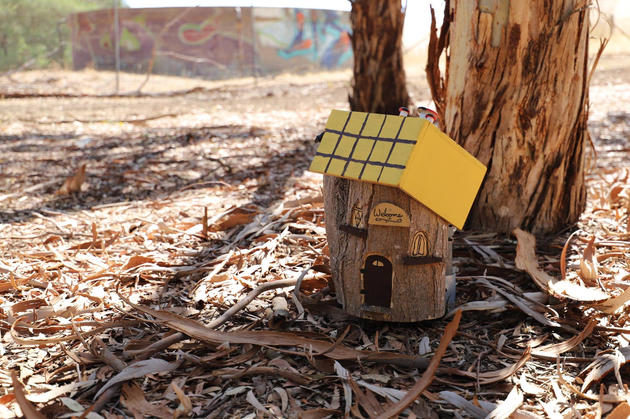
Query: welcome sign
[388, 214]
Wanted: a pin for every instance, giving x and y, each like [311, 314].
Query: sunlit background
[417, 11]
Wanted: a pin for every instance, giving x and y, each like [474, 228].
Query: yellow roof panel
[406, 152]
[400, 154]
[336, 166]
[319, 164]
[373, 125]
[355, 123]
[411, 127]
[390, 176]
[391, 127]
[380, 152]
[371, 172]
[443, 176]
[354, 169]
[329, 141]
[337, 121]
[345, 146]
[363, 149]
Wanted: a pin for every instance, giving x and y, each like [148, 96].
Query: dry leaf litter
[165, 255]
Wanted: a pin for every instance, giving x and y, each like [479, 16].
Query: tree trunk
[379, 83]
[515, 95]
[416, 292]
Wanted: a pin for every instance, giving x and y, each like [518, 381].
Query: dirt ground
[192, 200]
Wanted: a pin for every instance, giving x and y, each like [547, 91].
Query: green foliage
[33, 29]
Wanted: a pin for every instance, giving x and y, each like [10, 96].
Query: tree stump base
[390, 255]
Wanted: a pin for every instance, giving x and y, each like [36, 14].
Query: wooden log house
[391, 245]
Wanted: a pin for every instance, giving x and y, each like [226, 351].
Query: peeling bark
[515, 95]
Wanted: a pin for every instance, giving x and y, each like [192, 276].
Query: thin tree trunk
[515, 95]
[379, 83]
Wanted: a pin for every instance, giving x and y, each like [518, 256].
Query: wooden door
[377, 281]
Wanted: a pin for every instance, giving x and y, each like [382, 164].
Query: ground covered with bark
[163, 254]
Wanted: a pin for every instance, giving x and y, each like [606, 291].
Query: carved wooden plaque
[388, 214]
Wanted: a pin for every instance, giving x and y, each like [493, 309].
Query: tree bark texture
[418, 292]
[515, 95]
[379, 83]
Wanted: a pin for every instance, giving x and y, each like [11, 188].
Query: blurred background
[213, 39]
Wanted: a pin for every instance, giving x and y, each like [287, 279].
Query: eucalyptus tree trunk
[379, 83]
[515, 95]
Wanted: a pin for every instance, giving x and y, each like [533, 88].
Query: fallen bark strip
[289, 375]
[527, 261]
[516, 354]
[176, 337]
[366, 399]
[15, 328]
[556, 349]
[602, 398]
[508, 407]
[100, 350]
[429, 373]
[604, 364]
[487, 377]
[522, 304]
[463, 404]
[27, 407]
[203, 333]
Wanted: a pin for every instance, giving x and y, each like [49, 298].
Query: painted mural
[213, 42]
[303, 37]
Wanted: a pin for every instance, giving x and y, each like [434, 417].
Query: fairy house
[390, 235]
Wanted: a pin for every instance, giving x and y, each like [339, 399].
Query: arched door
[377, 281]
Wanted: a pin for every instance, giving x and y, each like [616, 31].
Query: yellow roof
[406, 152]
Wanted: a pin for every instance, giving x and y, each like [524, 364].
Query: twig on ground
[176, 337]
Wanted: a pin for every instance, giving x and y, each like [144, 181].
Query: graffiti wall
[302, 38]
[213, 42]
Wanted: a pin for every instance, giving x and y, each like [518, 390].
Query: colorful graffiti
[320, 36]
[213, 42]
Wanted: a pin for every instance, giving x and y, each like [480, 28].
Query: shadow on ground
[151, 166]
